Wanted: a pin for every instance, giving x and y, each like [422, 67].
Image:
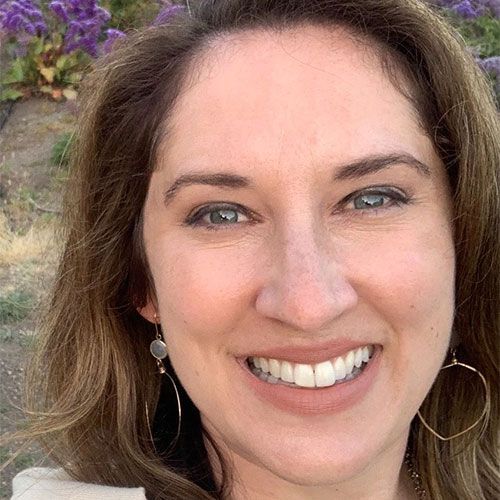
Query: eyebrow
[353, 170]
[219, 180]
[372, 164]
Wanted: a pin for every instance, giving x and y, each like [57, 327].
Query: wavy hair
[93, 374]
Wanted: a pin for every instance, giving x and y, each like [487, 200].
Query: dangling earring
[487, 404]
[158, 349]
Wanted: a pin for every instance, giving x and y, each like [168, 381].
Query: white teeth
[349, 362]
[303, 375]
[324, 374]
[358, 358]
[339, 367]
[365, 354]
[264, 365]
[275, 368]
[286, 371]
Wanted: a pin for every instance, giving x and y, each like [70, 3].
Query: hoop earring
[158, 349]
[487, 404]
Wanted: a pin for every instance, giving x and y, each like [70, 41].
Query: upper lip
[311, 353]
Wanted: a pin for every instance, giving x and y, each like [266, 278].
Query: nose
[307, 287]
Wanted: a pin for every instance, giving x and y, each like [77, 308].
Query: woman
[293, 207]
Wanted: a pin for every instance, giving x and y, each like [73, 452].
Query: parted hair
[93, 374]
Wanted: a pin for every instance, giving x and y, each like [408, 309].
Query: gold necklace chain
[414, 476]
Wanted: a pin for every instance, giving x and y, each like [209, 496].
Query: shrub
[51, 44]
[15, 306]
[129, 14]
[478, 21]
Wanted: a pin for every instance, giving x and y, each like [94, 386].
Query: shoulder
[40, 483]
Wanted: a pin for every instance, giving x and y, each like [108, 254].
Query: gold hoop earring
[158, 349]
[179, 408]
[487, 405]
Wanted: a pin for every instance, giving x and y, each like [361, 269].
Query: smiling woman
[288, 206]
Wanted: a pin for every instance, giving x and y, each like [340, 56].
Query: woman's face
[298, 214]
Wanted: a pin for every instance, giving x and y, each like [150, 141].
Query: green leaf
[62, 61]
[75, 77]
[10, 95]
[37, 45]
[483, 34]
[15, 73]
[58, 39]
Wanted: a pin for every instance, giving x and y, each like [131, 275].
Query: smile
[325, 374]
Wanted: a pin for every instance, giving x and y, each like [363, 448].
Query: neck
[385, 478]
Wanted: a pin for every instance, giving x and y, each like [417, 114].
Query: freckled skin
[287, 110]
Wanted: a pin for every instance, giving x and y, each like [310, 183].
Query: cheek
[408, 280]
[406, 284]
[410, 285]
[205, 290]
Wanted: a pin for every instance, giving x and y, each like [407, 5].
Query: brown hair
[93, 370]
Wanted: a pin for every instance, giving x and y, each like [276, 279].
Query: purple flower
[18, 17]
[84, 21]
[466, 10]
[112, 36]
[40, 26]
[13, 22]
[80, 21]
[88, 44]
[471, 9]
[59, 10]
[102, 14]
[167, 13]
[492, 65]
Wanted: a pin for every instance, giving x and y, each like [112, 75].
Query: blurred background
[46, 48]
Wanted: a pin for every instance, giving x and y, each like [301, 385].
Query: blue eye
[369, 201]
[381, 198]
[223, 216]
[212, 216]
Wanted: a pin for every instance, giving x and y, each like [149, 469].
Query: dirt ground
[30, 194]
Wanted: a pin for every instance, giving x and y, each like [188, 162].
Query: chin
[308, 464]
[323, 473]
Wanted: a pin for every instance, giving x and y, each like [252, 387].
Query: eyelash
[396, 198]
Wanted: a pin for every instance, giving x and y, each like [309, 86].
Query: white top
[42, 483]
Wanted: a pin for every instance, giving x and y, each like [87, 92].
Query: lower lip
[317, 401]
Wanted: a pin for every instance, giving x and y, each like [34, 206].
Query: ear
[149, 311]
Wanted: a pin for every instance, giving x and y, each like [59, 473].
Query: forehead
[265, 95]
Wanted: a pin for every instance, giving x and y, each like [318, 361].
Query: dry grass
[29, 249]
[37, 244]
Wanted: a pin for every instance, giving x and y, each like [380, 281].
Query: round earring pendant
[158, 349]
